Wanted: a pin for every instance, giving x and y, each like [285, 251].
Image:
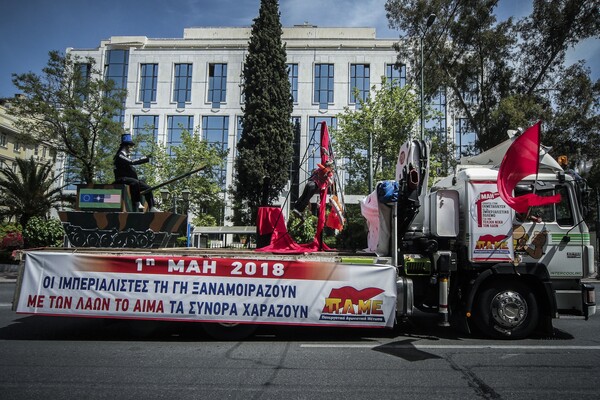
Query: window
[238, 136]
[145, 125]
[215, 131]
[217, 84]
[564, 214]
[560, 213]
[464, 138]
[71, 175]
[176, 124]
[436, 126]
[148, 83]
[296, 158]
[3, 140]
[82, 76]
[182, 90]
[323, 86]
[36, 150]
[314, 145]
[293, 78]
[17, 147]
[360, 79]
[395, 74]
[115, 69]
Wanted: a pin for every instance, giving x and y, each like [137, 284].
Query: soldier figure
[125, 173]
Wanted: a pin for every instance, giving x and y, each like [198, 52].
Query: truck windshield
[561, 213]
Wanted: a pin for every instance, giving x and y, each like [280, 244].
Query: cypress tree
[265, 148]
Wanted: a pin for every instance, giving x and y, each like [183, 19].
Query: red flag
[522, 159]
[324, 158]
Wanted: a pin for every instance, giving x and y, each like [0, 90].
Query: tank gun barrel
[173, 180]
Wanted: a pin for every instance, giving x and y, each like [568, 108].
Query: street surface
[76, 358]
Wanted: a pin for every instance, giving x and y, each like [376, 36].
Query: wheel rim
[509, 308]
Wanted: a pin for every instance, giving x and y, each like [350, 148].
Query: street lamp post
[185, 196]
[430, 22]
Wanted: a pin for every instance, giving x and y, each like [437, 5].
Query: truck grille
[417, 266]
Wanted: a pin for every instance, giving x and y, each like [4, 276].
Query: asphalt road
[68, 358]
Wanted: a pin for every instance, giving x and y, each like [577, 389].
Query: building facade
[195, 83]
[11, 148]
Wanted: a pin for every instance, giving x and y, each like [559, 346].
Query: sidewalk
[8, 273]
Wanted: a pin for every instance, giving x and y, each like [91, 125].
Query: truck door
[552, 234]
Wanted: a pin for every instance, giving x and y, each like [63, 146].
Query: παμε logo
[349, 304]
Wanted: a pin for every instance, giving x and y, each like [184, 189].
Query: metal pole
[429, 22]
[370, 157]
[422, 94]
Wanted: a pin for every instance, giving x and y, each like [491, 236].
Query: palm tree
[27, 192]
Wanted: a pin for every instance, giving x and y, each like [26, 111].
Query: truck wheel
[506, 310]
[222, 331]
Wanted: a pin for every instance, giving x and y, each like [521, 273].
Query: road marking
[450, 346]
[5, 304]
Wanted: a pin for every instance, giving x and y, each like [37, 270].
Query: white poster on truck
[208, 289]
[490, 222]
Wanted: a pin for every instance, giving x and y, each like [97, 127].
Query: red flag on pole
[522, 159]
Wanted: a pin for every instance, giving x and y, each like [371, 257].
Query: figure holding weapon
[125, 173]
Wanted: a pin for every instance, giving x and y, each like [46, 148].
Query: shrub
[354, 235]
[303, 232]
[12, 241]
[40, 232]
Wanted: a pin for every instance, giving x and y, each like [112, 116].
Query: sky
[31, 28]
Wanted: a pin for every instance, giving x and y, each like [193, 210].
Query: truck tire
[506, 310]
[228, 332]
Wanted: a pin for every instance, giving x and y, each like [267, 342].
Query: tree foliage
[264, 151]
[389, 117]
[505, 74]
[28, 191]
[41, 232]
[205, 200]
[68, 108]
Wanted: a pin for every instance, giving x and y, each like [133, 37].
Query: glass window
[360, 79]
[240, 130]
[215, 131]
[560, 213]
[293, 78]
[71, 175]
[396, 74]
[314, 139]
[176, 124]
[323, 86]
[182, 89]
[115, 69]
[217, 84]
[36, 150]
[3, 140]
[82, 75]
[148, 83]
[464, 138]
[296, 158]
[17, 147]
[564, 214]
[436, 125]
[144, 125]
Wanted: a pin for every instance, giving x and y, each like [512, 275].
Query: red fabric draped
[270, 219]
